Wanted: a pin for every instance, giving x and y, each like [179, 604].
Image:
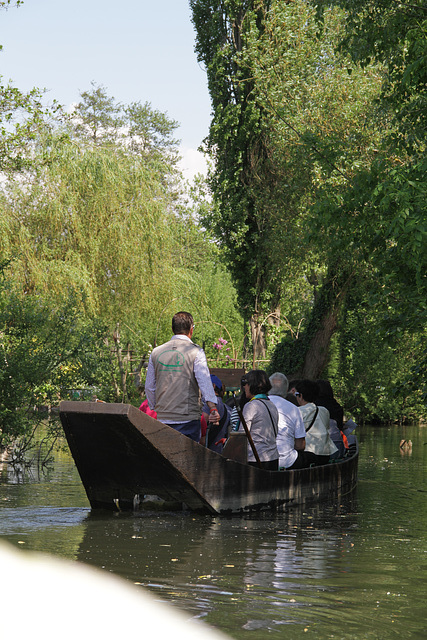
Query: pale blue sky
[138, 49]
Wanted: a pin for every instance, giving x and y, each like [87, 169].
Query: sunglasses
[243, 382]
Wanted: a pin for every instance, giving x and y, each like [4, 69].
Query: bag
[214, 432]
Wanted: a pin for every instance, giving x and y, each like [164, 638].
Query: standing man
[178, 379]
[291, 435]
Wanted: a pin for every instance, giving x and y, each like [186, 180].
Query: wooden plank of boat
[229, 377]
[123, 454]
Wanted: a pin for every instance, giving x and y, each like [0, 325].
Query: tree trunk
[273, 319]
[317, 355]
[259, 345]
[326, 311]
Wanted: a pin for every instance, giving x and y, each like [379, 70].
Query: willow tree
[101, 215]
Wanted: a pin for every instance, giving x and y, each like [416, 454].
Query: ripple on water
[29, 519]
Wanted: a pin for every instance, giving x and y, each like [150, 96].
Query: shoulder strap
[271, 418]
[312, 422]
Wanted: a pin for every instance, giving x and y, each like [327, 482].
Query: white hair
[279, 384]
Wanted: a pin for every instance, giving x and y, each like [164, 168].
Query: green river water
[350, 570]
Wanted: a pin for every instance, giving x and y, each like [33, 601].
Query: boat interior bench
[230, 378]
[236, 447]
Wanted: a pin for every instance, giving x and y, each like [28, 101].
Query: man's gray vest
[178, 397]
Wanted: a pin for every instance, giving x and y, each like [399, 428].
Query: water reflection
[405, 447]
[308, 545]
[27, 520]
[213, 567]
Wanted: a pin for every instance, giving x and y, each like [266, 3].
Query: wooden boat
[122, 455]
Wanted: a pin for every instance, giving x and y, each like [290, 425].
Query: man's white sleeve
[150, 385]
[201, 371]
[299, 424]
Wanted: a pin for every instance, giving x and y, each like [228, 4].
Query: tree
[319, 105]
[22, 116]
[389, 196]
[136, 128]
[97, 242]
[108, 223]
[97, 116]
[378, 370]
[238, 143]
[42, 350]
[285, 108]
[92, 222]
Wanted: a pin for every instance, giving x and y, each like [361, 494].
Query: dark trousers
[301, 462]
[314, 459]
[271, 465]
[190, 429]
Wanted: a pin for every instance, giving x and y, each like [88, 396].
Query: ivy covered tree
[244, 177]
[291, 116]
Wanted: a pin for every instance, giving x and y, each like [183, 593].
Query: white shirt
[201, 372]
[317, 439]
[262, 423]
[291, 426]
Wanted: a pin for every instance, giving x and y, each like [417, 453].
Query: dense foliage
[319, 184]
[44, 352]
[389, 197]
[285, 108]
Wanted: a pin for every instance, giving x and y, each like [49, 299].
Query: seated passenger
[348, 428]
[318, 444]
[291, 435]
[261, 417]
[237, 402]
[290, 396]
[215, 434]
[336, 415]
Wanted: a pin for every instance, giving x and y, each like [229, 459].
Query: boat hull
[122, 455]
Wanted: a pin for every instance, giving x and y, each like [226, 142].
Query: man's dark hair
[309, 389]
[182, 322]
[258, 381]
